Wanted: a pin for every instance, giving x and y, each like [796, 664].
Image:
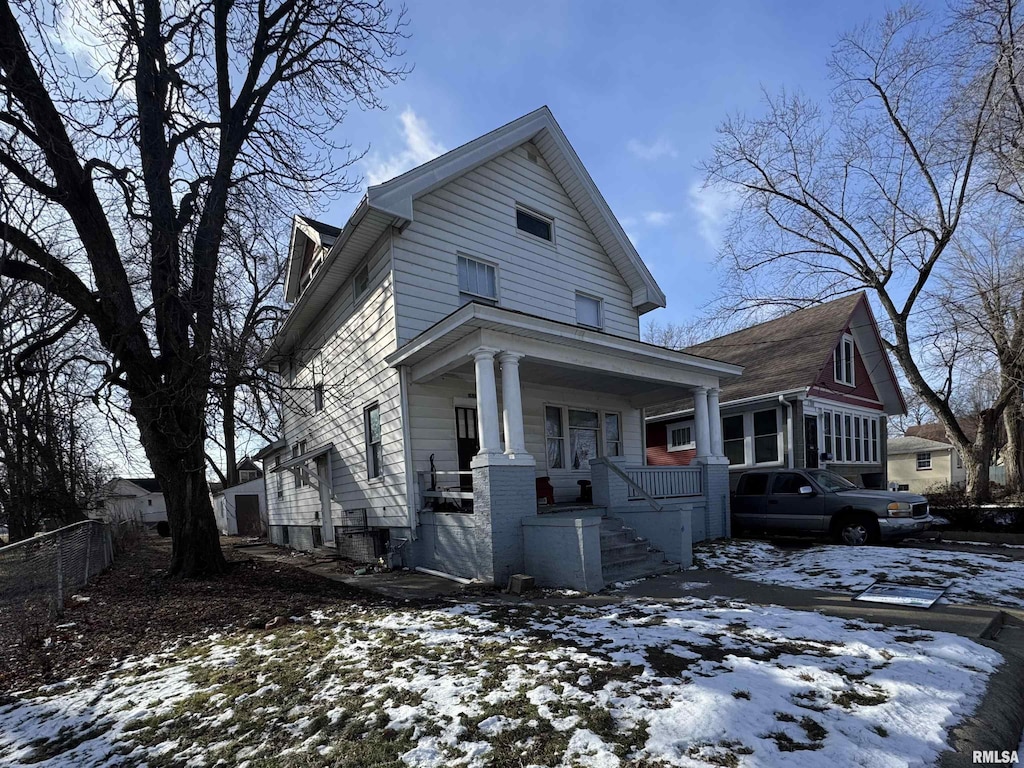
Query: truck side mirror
[806, 490]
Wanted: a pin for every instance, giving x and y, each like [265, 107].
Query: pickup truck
[819, 502]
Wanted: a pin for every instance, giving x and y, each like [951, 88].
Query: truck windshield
[831, 481]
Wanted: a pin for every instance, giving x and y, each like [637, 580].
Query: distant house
[816, 390]
[132, 498]
[918, 464]
[241, 510]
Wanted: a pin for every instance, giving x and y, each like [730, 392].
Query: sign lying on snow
[901, 594]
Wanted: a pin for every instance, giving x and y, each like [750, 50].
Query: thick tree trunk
[977, 461]
[1012, 458]
[230, 454]
[172, 428]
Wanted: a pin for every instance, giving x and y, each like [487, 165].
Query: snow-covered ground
[987, 578]
[691, 682]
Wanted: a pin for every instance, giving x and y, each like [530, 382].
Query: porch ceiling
[559, 354]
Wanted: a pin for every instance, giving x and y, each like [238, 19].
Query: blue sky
[638, 87]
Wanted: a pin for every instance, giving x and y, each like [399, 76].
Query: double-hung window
[588, 311]
[478, 281]
[555, 436]
[361, 282]
[752, 438]
[318, 384]
[680, 436]
[371, 417]
[924, 461]
[612, 435]
[584, 437]
[280, 478]
[844, 361]
[298, 449]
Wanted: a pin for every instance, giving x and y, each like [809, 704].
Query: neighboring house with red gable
[816, 390]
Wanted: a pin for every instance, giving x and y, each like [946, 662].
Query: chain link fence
[37, 575]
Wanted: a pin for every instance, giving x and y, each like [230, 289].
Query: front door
[811, 442]
[467, 439]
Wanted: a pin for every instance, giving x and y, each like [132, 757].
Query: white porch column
[486, 401]
[715, 416]
[512, 402]
[700, 419]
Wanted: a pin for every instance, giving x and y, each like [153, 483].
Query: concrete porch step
[654, 565]
[624, 552]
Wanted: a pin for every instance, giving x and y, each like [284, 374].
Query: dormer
[311, 240]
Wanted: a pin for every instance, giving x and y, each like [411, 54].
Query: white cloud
[712, 205]
[653, 150]
[658, 218]
[420, 146]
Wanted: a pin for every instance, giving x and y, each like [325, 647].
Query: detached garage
[241, 510]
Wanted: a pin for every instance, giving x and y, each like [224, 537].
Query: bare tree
[674, 335]
[131, 135]
[868, 193]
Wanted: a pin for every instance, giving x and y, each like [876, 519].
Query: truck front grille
[920, 510]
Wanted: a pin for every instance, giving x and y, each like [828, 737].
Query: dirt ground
[133, 608]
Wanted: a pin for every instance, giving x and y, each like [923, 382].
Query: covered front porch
[513, 417]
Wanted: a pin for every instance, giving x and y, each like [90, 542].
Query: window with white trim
[374, 458]
[843, 361]
[588, 311]
[361, 282]
[612, 434]
[924, 461]
[680, 436]
[298, 449]
[535, 224]
[478, 281]
[752, 439]
[577, 435]
[317, 372]
[280, 478]
[851, 438]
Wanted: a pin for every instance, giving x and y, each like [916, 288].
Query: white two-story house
[465, 379]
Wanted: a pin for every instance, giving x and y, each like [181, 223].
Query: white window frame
[537, 215]
[317, 374]
[470, 295]
[844, 360]
[921, 467]
[298, 449]
[368, 443]
[869, 442]
[600, 310]
[357, 294]
[685, 424]
[602, 435]
[748, 438]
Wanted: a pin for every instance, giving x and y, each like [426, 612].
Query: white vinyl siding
[475, 215]
[352, 339]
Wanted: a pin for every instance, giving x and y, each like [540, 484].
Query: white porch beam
[715, 416]
[446, 360]
[486, 401]
[512, 402]
[701, 422]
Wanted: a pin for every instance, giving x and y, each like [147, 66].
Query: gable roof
[789, 353]
[936, 432]
[391, 205]
[898, 446]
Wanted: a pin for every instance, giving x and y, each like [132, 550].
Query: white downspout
[789, 430]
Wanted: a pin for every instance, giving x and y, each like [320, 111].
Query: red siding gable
[863, 389]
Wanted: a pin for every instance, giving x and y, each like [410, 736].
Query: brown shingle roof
[780, 355]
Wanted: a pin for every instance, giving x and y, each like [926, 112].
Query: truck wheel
[857, 531]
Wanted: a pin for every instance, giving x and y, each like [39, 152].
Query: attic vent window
[844, 361]
[534, 225]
